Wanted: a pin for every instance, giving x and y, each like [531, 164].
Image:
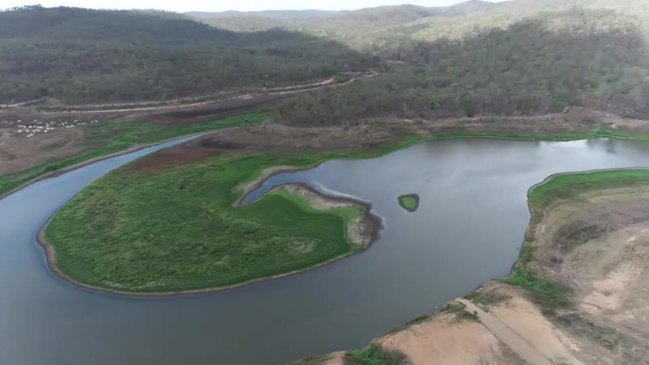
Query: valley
[267, 186]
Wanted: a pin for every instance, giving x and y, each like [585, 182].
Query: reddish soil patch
[176, 156]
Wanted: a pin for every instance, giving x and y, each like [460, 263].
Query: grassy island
[179, 228]
[409, 202]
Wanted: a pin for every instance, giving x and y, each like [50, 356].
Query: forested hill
[388, 30]
[391, 42]
[342, 25]
[89, 56]
[540, 64]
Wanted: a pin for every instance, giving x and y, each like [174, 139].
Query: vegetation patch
[568, 185]
[485, 299]
[179, 229]
[461, 312]
[409, 202]
[549, 295]
[375, 355]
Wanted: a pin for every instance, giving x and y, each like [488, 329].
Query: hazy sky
[220, 5]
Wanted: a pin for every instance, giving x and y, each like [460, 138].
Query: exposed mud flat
[167, 158]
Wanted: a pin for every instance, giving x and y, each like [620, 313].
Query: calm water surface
[468, 229]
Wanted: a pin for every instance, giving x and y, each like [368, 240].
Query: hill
[394, 41]
[279, 15]
[339, 25]
[255, 21]
[87, 56]
[541, 64]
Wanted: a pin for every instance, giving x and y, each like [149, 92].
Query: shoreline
[368, 224]
[92, 160]
[538, 266]
[258, 181]
[375, 224]
[406, 141]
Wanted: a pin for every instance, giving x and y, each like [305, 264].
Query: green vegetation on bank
[374, 355]
[179, 228]
[550, 295]
[123, 194]
[409, 202]
[114, 137]
[152, 133]
[125, 135]
[568, 185]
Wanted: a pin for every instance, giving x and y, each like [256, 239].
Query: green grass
[374, 355]
[549, 295]
[409, 202]
[177, 229]
[114, 137]
[568, 185]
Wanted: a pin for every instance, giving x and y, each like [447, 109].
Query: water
[468, 229]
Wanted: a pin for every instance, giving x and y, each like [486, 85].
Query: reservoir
[468, 229]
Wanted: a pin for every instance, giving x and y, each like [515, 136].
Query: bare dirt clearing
[447, 339]
[19, 150]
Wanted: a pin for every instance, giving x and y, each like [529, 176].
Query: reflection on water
[468, 229]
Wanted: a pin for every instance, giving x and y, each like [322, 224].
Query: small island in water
[409, 202]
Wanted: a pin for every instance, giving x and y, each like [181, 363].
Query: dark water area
[468, 229]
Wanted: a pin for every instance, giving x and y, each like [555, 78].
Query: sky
[221, 5]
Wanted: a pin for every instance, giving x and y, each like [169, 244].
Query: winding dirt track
[178, 103]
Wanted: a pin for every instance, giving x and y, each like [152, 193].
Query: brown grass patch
[176, 156]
